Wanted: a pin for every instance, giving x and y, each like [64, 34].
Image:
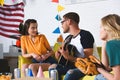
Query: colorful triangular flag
[1, 2]
[13, 0]
[57, 1]
[57, 30]
[60, 8]
[30, 73]
[58, 17]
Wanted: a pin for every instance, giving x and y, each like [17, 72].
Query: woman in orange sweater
[36, 47]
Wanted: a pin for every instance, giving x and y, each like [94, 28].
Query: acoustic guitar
[71, 49]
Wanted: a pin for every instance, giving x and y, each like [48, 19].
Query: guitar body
[71, 49]
[62, 61]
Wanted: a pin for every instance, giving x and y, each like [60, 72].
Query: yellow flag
[60, 8]
[1, 2]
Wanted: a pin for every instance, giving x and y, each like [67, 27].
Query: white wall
[44, 11]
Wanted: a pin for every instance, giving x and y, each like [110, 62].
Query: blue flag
[57, 30]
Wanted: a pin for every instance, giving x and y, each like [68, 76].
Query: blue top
[113, 52]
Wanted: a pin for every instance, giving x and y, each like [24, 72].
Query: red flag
[10, 18]
[55, 1]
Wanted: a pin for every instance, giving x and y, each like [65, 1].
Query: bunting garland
[58, 17]
[57, 30]
[1, 2]
[13, 0]
[57, 1]
[60, 8]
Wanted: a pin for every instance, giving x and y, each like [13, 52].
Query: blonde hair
[111, 24]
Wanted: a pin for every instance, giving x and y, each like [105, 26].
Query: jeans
[74, 74]
[62, 70]
[100, 77]
[48, 60]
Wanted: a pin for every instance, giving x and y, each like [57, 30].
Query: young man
[83, 42]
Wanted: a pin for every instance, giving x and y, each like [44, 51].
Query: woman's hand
[45, 56]
[37, 57]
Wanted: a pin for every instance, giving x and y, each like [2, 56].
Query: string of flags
[57, 1]
[2, 2]
[58, 17]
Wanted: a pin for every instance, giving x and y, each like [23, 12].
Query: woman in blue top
[110, 34]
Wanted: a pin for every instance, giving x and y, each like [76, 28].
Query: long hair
[111, 24]
[26, 25]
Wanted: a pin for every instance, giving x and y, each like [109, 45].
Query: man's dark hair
[73, 16]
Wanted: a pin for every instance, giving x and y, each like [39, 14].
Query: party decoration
[18, 43]
[30, 72]
[60, 8]
[55, 1]
[40, 72]
[60, 38]
[13, 0]
[1, 2]
[58, 17]
[57, 30]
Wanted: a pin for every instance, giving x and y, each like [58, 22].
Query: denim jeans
[74, 74]
[48, 60]
[61, 70]
[100, 77]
